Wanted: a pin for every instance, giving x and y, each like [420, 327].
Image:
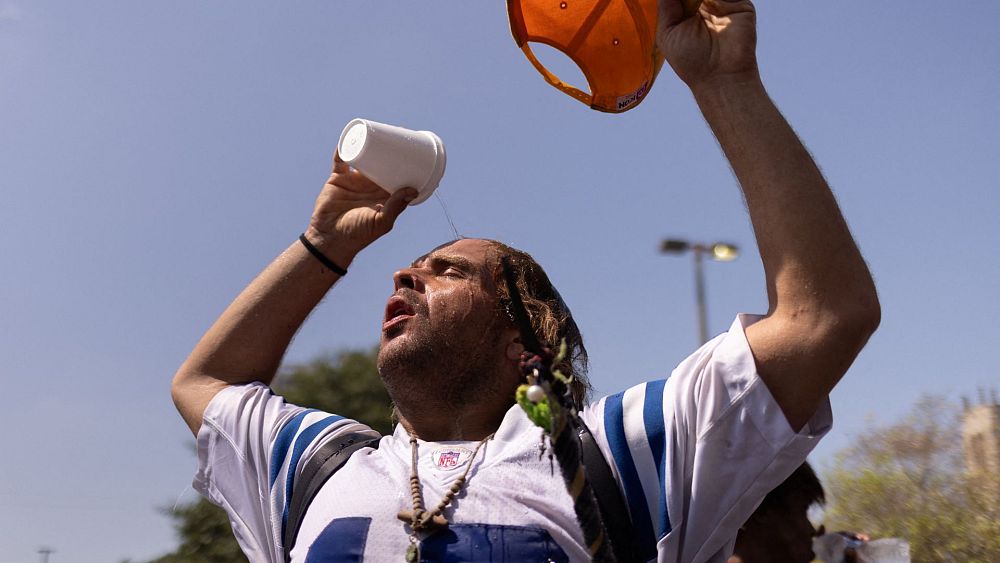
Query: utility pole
[44, 552]
[719, 251]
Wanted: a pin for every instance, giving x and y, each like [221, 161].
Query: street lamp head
[724, 252]
[674, 246]
[721, 251]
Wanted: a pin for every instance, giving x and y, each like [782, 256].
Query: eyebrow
[447, 259]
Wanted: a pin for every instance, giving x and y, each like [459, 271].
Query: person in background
[780, 531]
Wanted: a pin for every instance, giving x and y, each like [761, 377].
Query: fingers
[690, 7]
[393, 207]
[351, 179]
[674, 12]
[339, 166]
[722, 8]
[671, 12]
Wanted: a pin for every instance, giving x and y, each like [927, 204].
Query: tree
[908, 480]
[205, 535]
[347, 384]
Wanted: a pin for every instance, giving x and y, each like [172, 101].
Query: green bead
[411, 553]
[541, 413]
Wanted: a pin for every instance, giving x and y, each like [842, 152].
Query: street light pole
[699, 292]
[719, 251]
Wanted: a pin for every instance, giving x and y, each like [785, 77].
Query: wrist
[717, 88]
[331, 246]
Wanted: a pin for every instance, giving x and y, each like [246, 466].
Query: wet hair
[550, 316]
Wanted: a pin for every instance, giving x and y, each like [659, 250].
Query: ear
[514, 348]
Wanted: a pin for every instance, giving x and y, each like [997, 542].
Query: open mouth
[397, 310]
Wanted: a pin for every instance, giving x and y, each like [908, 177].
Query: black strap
[332, 455]
[324, 463]
[616, 516]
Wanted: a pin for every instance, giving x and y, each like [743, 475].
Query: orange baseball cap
[612, 41]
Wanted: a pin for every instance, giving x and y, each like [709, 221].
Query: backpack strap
[332, 455]
[617, 520]
[324, 463]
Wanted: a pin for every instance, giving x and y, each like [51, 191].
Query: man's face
[442, 316]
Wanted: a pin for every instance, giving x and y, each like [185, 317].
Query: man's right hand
[248, 341]
[716, 42]
[352, 212]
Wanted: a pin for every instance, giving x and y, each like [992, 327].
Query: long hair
[549, 315]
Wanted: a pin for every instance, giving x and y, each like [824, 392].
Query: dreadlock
[550, 317]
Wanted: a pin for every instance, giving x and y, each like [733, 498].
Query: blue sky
[155, 156]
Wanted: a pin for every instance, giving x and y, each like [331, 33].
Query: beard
[443, 365]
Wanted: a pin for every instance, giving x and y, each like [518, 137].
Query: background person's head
[780, 531]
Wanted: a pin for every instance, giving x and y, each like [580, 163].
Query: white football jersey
[693, 455]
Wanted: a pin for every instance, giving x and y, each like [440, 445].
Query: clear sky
[155, 156]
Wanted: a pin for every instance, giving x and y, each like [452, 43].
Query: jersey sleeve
[251, 447]
[696, 453]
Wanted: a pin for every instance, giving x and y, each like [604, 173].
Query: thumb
[393, 207]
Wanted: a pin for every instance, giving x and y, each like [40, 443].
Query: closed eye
[448, 266]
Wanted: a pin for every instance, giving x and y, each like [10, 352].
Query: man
[693, 455]
[780, 531]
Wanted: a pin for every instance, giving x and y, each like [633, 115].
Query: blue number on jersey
[343, 541]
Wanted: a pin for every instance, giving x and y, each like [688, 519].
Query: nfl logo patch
[447, 460]
[450, 457]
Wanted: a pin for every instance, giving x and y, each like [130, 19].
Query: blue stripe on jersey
[301, 443]
[652, 419]
[282, 443]
[614, 425]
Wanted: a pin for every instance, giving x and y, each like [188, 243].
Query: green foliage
[205, 535]
[346, 384]
[908, 480]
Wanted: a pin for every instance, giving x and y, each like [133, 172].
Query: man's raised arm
[248, 341]
[823, 306]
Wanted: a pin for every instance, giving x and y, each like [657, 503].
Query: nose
[408, 278]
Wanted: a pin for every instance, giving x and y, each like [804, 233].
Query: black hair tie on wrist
[330, 264]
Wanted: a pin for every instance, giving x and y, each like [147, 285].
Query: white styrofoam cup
[394, 157]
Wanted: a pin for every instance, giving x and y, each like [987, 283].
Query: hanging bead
[535, 393]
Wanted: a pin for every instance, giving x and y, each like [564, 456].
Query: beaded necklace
[420, 519]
